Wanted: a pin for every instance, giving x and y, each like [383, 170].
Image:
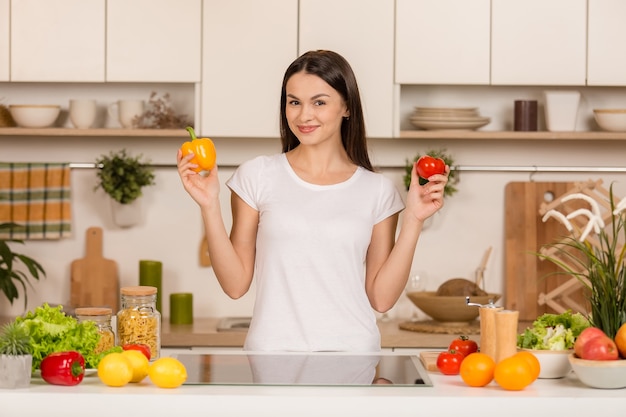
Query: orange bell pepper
[202, 148]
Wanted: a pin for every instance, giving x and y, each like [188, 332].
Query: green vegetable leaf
[51, 330]
[553, 331]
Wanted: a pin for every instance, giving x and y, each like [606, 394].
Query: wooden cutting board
[94, 279]
[525, 233]
[429, 360]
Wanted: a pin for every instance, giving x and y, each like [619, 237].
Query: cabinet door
[57, 40]
[606, 65]
[154, 40]
[4, 40]
[363, 32]
[442, 41]
[538, 42]
[244, 59]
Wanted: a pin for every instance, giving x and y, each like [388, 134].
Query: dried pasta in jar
[139, 321]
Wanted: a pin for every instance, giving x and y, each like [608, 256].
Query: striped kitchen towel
[35, 196]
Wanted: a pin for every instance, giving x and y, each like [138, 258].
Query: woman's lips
[306, 129]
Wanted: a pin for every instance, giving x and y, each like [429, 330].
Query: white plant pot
[126, 215]
[15, 371]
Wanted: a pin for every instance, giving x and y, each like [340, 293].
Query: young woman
[314, 225]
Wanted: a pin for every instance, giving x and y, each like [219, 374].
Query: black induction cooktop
[312, 369]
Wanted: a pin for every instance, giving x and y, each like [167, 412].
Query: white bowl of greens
[551, 339]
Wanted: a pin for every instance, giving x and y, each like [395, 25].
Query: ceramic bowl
[34, 116]
[600, 374]
[612, 120]
[554, 363]
[445, 308]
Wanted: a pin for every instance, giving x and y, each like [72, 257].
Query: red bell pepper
[63, 368]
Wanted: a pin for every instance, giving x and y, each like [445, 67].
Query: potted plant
[10, 276]
[15, 357]
[453, 178]
[594, 255]
[122, 177]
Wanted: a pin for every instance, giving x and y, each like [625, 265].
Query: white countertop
[448, 397]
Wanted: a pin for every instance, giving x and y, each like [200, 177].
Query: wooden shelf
[510, 135]
[57, 131]
[405, 134]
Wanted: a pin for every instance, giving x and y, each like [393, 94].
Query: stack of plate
[448, 118]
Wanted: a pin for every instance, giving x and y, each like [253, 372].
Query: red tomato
[145, 349]
[449, 363]
[427, 166]
[464, 345]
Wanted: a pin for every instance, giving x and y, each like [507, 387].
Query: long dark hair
[336, 72]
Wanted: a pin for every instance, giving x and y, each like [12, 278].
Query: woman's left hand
[425, 200]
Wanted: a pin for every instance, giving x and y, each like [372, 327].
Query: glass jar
[101, 316]
[138, 320]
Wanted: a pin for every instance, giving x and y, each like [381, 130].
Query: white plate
[88, 372]
[446, 109]
[453, 119]
[448, 125]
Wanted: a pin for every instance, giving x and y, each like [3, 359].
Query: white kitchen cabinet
[247, 45]
[606, 65]
[442, 41]
[538, 42]
[59, 40]
[363, 32]
[4, 40]
[154, 40]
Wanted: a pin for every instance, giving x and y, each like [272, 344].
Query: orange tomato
[532, 360]
[477, 369]
[513, 373]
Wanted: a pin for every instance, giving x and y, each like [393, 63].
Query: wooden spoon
[480, 271]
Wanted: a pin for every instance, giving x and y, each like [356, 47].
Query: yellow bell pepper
[202, 148]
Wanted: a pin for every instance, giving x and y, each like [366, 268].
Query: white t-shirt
[310, 256]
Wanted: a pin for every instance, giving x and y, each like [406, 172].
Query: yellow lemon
[167, 372]
[139, 364]
[115, 370]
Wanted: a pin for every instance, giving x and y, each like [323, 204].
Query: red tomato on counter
[464, 345]
[427, 166]
[145, 349]
[449, 362]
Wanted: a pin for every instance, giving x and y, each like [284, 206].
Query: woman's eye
[294, 102]
[319, 102]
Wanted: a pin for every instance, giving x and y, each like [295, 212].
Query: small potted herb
[123, 177]
[10, 275]
[15, 356]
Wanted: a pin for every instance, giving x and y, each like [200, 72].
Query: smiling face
[314, 110]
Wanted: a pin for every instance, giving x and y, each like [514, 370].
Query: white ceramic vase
[126, 215]
[15, 371]
[561, 110]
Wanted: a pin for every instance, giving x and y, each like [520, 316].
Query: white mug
[126, 111]
[82, 113]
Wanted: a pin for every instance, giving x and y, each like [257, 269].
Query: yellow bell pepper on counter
[202, 148]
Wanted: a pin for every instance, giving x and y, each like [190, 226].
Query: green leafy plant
[453, 177]
[598, 264]
[10, 275]
[14, 340]
[123, 176]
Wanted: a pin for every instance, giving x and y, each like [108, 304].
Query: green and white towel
[36, 196]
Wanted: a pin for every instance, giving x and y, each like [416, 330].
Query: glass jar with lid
[101, 316]
[138, 320]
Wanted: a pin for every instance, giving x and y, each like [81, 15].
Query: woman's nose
[306, 112]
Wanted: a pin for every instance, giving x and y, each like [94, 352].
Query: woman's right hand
[203, 188]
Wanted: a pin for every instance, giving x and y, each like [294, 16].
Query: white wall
[170, 232]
